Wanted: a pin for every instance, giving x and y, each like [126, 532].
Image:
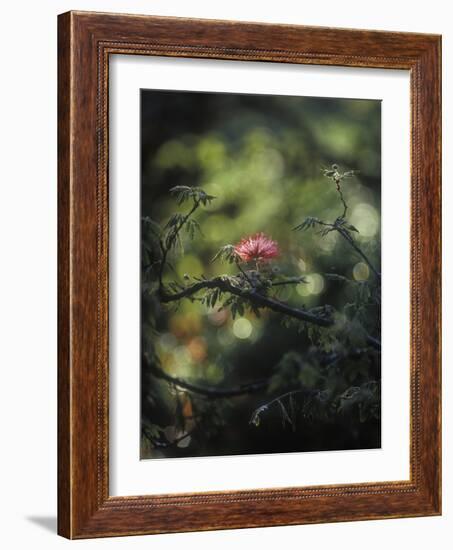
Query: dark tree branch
[253, 296]
[259, 300]
[288, 282]
[206, 391]
[244, 389]
[159, 444]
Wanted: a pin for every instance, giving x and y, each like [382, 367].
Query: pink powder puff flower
[257, 248]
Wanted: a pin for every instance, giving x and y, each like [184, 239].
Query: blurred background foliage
[262, 158]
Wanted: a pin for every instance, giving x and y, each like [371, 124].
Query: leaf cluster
[334, 173]
[185, 193]
[228, 254]
[364, 399]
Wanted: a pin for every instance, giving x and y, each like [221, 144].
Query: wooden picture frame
[85, 41]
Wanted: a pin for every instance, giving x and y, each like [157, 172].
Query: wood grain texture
[86, 40]
[64, 389]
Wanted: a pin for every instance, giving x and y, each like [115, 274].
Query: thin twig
[244, 273]
[351, 241]
[166, 249]
[337, 182]
[288, 282]
[255, 418]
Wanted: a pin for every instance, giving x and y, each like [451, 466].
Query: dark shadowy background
[262, 157]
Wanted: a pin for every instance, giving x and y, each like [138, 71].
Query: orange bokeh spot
[198, 349]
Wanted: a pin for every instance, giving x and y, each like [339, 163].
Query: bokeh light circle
[242, 328]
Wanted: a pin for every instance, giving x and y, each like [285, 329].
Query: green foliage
[211, 297]
[262, 177]
[185, 193]
[236, 305]
[312, 400]
[192, 227]
[293, 370]
[227, 253]
[334, 173]
[308, 223]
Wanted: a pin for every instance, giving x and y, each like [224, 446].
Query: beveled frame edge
[85, 41]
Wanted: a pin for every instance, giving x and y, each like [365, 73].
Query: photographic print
[219, 275]
[260, 274]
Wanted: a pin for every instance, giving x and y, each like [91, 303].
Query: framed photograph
[249, 275]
